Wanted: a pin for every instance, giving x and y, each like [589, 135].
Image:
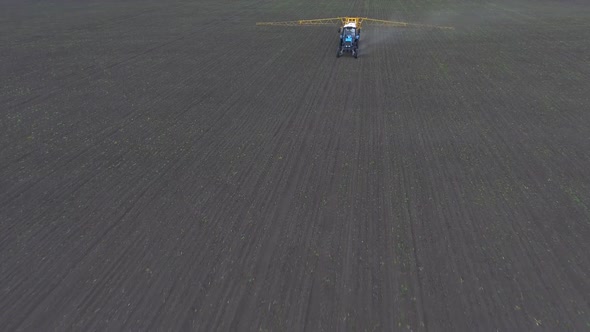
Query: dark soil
[168, 165]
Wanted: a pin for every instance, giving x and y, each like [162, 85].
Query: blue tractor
[349, 40]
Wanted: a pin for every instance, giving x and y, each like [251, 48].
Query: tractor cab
[349, 34]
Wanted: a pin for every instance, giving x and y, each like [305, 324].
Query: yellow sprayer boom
[359, 21]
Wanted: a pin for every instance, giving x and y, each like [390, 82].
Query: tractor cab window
[349, 31]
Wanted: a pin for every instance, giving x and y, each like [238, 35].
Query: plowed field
[169, 165]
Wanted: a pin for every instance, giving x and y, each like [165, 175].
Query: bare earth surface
[169, 165]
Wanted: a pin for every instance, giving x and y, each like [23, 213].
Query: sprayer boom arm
[359, 21]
